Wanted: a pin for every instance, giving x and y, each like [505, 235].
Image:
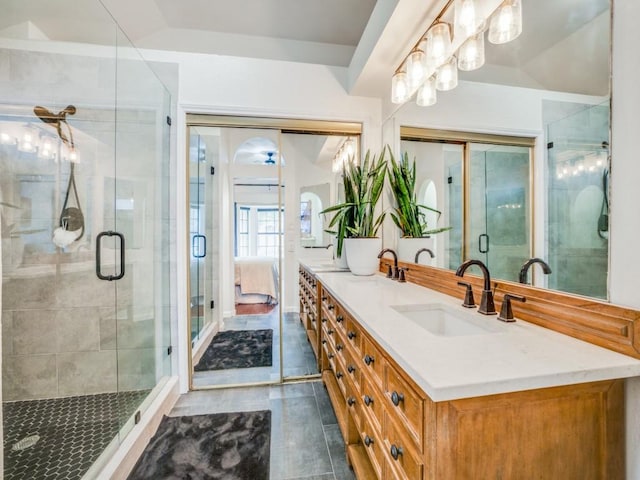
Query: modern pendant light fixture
[471, 53]
[438, 43]
[506, 23]
[399, 88]
[454, 40]
[427, 93]
[416, 70]
[447, 75]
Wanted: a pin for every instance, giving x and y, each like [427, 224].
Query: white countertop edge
[614, 365]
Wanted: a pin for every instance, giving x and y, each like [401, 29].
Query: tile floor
[298, 358]
[306, 442]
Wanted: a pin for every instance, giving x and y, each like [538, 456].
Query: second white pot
[362, 254]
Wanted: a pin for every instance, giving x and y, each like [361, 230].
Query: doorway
[256, 187]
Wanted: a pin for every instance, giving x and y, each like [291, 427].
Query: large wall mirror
[545, 193]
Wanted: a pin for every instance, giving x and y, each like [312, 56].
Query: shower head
[57, 119]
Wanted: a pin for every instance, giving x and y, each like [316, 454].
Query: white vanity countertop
[516, 356]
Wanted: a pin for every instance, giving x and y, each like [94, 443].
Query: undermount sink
[446, 321]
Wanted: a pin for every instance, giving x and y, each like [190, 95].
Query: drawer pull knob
[368, 359]
[351, 401]
[339, 347]
[324, 320]
[367, 400]
[324, 342]
[324, 298]
[331, 355]
[339, 375]
[368, 440]
[331, 307]
[351, 368]
[396, 452]
[351, 335]
[339, 318]
[330, 331]
[396, 398]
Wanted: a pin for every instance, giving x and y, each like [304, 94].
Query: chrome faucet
[423, 250]
[525, 268]
[391, 273]
[487, 306]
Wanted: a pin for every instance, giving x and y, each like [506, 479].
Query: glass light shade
[427, 93]
[28, 142]
[399, 88]
[416, 71]
[506, 22]
[46, 149]
[438, 44]
[466, 18]
[6, 139]
[349, 147]
[471, 53]
[447, 75]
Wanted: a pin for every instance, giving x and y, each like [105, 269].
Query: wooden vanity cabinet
[393, 430]
[309, 309]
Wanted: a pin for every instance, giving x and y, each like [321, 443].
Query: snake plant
[408, 215]
[357, 215]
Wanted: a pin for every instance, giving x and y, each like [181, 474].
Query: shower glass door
[578, 201]
[203, 231]
[499, 208]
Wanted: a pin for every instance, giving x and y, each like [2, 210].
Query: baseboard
[205, 340]
[119, 466]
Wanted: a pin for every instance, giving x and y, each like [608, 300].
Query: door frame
[283, 125]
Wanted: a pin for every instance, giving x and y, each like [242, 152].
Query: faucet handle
[506, 314]
[469, 301]
[401, 277]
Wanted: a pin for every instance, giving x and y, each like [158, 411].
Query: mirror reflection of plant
[408, 215]
[357, 216]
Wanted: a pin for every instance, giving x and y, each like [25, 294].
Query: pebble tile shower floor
[61, 437]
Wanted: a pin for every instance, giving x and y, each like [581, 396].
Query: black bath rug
[237, 349]
[221, 446]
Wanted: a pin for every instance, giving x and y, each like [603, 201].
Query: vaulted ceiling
[367, 37]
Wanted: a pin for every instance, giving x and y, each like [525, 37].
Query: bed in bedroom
[256, 280]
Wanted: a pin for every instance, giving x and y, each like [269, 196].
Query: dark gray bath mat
[221, 446]
[237, 349]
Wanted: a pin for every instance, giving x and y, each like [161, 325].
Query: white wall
[625, 194]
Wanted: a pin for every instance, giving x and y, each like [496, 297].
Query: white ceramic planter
[362, 255]
[408, 246]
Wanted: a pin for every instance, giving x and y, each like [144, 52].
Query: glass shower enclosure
[85, 259]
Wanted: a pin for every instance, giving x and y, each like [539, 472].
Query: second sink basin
[446, 321]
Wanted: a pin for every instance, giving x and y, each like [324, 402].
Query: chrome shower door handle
[195, 241]
[99, 274]
[486, 247]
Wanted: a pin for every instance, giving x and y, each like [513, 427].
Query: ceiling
[368, 37]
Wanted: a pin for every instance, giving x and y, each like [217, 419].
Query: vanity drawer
[354, 335]
[353, 371]
[341, 376]
[373, 361]
[372, 403]
[403, 462]
[405, 405]
[341, 318]
[373, 445]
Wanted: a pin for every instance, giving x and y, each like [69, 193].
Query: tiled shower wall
[64, 332]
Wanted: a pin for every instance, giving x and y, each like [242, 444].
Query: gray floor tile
[336, 445]
[327, 415]
[291, 463]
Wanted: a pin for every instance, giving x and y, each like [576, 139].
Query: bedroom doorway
[249, 180]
